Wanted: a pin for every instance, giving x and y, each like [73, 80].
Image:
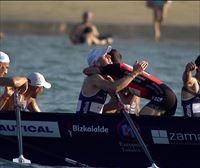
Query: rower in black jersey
[190, 93]
[163, 100]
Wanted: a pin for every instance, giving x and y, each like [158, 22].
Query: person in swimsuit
[77, 33]
[160, 9]
[87, 32]
[91, 39]
[96, 86]
[190, 94]
[28, 102]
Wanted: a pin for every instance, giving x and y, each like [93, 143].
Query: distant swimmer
[87, 32]
[190, 94]
[91, 39]
[160, 9]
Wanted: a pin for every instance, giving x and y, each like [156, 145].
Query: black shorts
[166, 101]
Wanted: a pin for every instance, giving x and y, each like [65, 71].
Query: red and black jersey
[144, 85]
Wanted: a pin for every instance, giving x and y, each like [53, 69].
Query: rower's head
[37, 83]
[99, 56]
[116, 57]
[4, 63]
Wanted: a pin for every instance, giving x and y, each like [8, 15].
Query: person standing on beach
[190, 94]
[160, 9]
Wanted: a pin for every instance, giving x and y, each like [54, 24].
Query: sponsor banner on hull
[128, 141]
[30, 128]
[90, 129]
[171, 137]
[83, 129]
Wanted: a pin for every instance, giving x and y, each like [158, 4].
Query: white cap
[4, 58]
[37, 79]
[96, 53]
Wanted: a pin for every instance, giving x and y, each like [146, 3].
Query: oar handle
[75, 163]
[135, 130]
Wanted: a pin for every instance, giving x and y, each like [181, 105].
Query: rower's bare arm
[15, 81]
[118, 85]
[111, 107]
[97, 41]
[91, 70]
[95, 31]
[18, 81]
[33, 106]
[4, 81]
[188, 80]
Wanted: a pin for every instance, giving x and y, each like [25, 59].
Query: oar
[137, 134]
[21, 158]
[75, 163]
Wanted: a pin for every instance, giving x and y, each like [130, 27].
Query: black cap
[197, 61]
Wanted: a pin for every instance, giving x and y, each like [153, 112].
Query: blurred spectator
[160, 9]
[62, 28]
[87, 32]
[2, 35]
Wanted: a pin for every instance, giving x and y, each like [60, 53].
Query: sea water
[62, 63]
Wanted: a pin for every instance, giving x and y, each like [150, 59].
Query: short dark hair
[85, 15]
[116, 57]
[197, 61]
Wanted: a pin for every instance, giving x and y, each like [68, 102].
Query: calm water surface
[62, 64]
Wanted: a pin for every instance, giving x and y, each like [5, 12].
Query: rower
[28, 100]
[190, 95]
[163, 100]
[95, 87]
[10, 83]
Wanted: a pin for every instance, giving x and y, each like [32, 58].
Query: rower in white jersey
[95, 87]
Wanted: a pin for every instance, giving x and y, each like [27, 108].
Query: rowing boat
[101, 140]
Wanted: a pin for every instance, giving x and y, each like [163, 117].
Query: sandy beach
[105, 12]
[128, 19]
